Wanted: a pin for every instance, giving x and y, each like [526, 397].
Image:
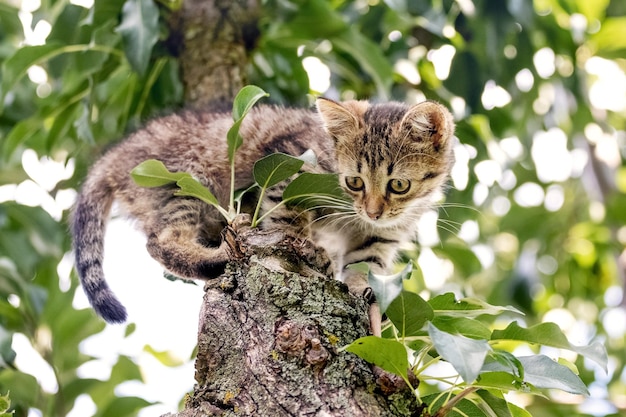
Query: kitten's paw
[368, 294]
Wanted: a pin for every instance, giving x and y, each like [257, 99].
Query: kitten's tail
[88, 227]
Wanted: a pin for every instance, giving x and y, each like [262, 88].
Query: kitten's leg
[176, 238]
[358, 285]
[378, 252]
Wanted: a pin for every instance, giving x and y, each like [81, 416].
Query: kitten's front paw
[369, 295]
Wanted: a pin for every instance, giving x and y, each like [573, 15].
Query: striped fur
[387, 148]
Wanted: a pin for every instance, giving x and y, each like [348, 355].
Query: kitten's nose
[374, 213]
[374, 208]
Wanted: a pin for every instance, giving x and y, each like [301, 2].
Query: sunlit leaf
[246, 98]
[165, 357]
[610, 40]
[244, 101]
[471, 328]
[466, 307]
[153, 173]
[388, 354]
[543, 372]
[464, 354]
[191, 187]
[5, 403]
[409, 312]
[549, 334]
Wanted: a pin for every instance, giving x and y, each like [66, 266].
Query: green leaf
[5, 403]
[518, 411]
[543, 372]
[125, 407]
[9, 20]
[153, 173]
[496, 404]
[408, 312]
[464, 354]
[245, 99]
[464, 408]
[140, 31]
[504, 381]
[610, 40]
[549, 334]
[473, 329]
[20, 133]
[191, 187]
[369, 56]
[390, 355]
[24, 387]
[310, 190]
[83, 126]
[165, 357]
[272, 169]
[16, 66]
[507, 360]
[387, 287]
[466, 307]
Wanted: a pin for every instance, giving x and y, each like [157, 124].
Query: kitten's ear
[341, 119]
[430, 121]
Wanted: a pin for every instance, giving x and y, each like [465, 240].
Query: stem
[258, 208]
[267, 212]
[231, 203]
[453, 402]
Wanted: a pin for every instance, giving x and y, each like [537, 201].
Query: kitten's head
[392, 159]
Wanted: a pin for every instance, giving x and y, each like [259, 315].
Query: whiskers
[451, 226]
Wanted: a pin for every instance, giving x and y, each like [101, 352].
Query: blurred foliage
[538, 91]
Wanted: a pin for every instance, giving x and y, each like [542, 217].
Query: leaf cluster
[463, 333]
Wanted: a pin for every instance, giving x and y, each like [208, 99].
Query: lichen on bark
[270, 337]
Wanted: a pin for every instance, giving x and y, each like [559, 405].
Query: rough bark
[270, 334]
[212, 38]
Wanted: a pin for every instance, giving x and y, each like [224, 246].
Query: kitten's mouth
[382, 222]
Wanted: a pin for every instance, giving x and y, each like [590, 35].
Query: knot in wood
[296, 339]
[318, 354]
[290, 339]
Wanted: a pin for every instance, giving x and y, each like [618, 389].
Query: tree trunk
[270, 333]
[272, 325]
[212, 39]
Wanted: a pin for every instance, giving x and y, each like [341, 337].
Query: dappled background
[534, 217]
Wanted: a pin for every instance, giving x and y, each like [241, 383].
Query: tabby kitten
[392, 159]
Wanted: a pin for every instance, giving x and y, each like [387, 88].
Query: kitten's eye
[399, 186]
[355, 183]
